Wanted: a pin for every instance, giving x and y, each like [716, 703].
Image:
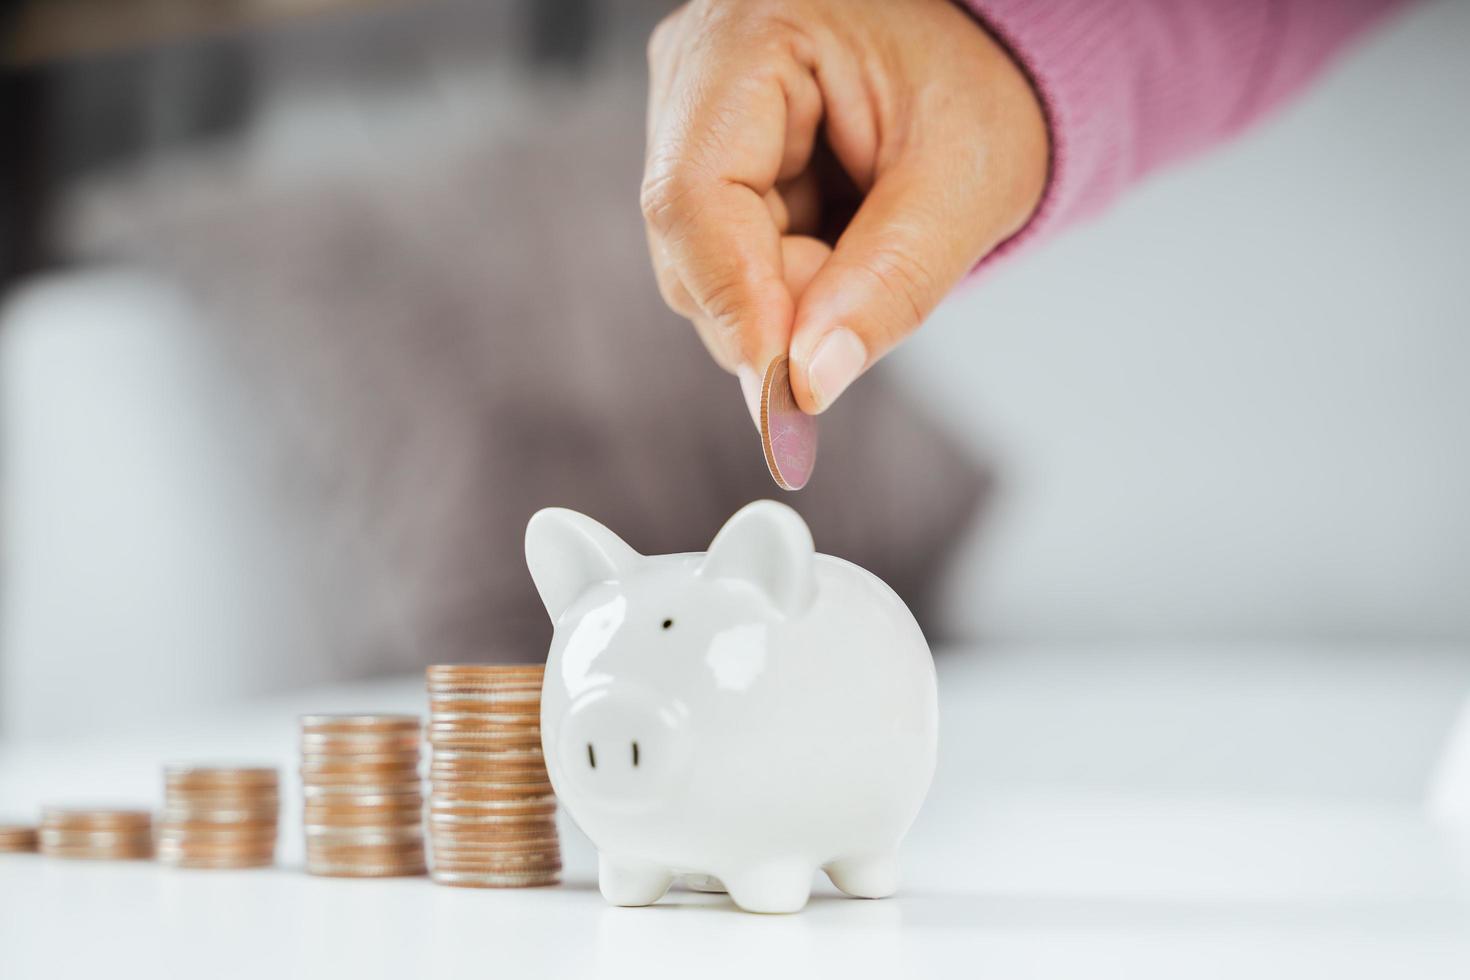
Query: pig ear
[768, 545]
[569, 552]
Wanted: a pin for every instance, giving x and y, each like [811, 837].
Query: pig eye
[668, 623]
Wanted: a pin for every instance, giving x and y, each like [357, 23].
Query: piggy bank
[744, 716]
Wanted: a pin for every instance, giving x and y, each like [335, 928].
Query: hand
[897, 129]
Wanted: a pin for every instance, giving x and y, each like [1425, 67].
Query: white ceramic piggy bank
[751, 714]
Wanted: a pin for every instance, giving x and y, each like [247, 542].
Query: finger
[802, 197]
[675, 296]
[714, 156]
[801, 257]
[916, 234]
[776, 204]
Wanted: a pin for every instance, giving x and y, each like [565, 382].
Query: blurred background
[310, 303]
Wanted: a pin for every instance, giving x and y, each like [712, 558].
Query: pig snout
[622, 747]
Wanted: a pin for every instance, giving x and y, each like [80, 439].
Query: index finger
[719, 140]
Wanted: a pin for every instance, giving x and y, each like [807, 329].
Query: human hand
[897, 129]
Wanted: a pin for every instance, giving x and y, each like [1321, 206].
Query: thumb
[912, 240]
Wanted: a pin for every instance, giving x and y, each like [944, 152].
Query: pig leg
[625, 882]
[866, 876]
[780, 886]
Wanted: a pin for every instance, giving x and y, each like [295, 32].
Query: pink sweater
[1129, 85]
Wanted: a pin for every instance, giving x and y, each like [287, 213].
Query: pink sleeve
[1129, 85]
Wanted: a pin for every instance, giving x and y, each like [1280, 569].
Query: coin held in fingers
[788, 435]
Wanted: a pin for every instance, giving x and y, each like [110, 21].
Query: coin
[210, 776]
[95, 833]
[363, 812]
[18, 837]
[788, 435]
[359, 723]
[96, 818]
[219, 817]
[491, 805]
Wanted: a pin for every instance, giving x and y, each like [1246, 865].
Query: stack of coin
[216, 817]
[364, 805]
[97, 833]
[17, 837]
[492, 814]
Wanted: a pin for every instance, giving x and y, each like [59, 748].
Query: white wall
[141, 568]
[1239, 405]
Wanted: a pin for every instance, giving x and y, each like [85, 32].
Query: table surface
[1095, 814]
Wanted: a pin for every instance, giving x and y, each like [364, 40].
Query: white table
[1136, 813]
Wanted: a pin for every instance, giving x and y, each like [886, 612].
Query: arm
[821, 173]
[1130, 85]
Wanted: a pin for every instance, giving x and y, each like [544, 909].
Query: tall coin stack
[492, 814]
[364, 804]
[95, 833]
[217, 817]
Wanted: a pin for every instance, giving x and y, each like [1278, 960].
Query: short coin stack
[17, 837]
[96, 833]
[364, 802]
[218, 817]
[492, 814]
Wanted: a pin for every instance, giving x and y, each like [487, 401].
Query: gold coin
[219, 799]
[459, 843]
[16, 838]
[478, 867]
[344, 744]
[462, 804]
[491, 720]
[388, 768]
[788, 435]
[222, 814]
[331, 870]
[492, 772]
[521, 692]
[388, 807]
[319, 813]
[542, 829]
[484, 739]
[388, 793]
[454, 823]
[192, 775]
[95, 817]
[101, 838]
[514, 756]
[347, 804]
[400, 777]
[457, 671]
[359, 723]
[374, 855]
[329, 834]
[98, 853]
[512, 849]
[528, 690]
[473, 787]
[267, 846]
[226, 832]
[218, 864]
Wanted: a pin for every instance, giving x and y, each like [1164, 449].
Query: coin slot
[591, 756]
[635, 755]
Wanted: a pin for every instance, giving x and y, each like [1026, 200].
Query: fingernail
[835, 364]
[750, 386]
